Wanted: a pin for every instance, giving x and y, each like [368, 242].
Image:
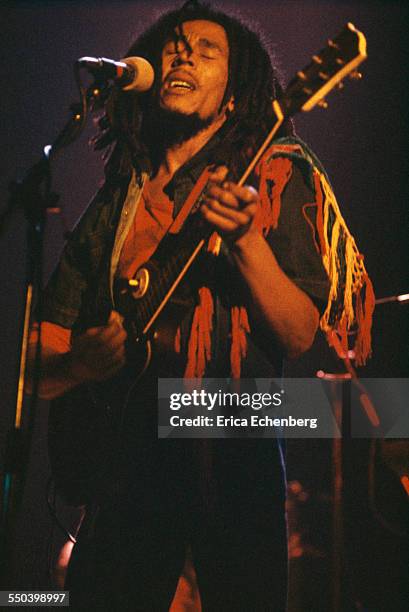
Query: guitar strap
[192, 202]
[194, 198]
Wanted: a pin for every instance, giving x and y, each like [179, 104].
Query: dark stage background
[362, 141]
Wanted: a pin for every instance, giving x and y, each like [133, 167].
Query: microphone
[131, 73]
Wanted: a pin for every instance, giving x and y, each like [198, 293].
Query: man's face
[195, 70]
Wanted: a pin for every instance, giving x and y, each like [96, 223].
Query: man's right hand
[99, 353]
[96, 355]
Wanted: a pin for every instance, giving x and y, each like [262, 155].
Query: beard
[163, 128]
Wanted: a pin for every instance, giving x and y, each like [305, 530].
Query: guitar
[81, 444]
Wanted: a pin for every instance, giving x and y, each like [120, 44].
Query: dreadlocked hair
[252, 81]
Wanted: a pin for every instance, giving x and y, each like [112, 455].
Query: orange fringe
[240, 327]
[177, 345]
[214, 244]
[199, 348]
[319, 203]
[364, 312]
[273, 177]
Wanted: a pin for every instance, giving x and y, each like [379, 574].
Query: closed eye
[205, 47]
[209, 49]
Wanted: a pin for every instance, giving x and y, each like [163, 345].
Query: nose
[185, 55]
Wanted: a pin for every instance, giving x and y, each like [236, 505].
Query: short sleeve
[293, 240]
[62, 297]
[82, 266]
[53, 336]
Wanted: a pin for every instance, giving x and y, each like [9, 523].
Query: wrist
[247, 243]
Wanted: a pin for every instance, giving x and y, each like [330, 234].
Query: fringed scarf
[351, 298]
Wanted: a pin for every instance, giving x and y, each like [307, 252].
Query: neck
[175, 156]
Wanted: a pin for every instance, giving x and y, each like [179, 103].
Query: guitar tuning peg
[355, 75]
[323, 104]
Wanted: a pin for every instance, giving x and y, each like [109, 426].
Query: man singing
[210, 509]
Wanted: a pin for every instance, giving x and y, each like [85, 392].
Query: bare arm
[275, 300]
[95, 355]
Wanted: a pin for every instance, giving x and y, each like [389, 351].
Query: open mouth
[180, 84]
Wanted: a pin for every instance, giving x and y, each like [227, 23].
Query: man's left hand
[229, 208]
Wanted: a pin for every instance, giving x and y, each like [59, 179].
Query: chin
[174, 124]
[177, 107]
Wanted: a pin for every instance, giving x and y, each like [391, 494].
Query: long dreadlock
[251, 80]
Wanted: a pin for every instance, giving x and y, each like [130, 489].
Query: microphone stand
[342, 415]
[34, 195]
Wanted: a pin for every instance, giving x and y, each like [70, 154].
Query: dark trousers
[223, 498]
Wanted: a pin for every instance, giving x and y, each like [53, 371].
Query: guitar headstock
[327, 69]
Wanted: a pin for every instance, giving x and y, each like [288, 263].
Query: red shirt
[151, 221]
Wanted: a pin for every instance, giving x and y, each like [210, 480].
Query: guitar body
[85, 424]
[80, 445]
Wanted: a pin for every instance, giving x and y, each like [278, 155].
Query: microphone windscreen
[144, 74]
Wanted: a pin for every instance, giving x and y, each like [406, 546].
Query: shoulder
[292, 152]
[286, 177]
[102, 213]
